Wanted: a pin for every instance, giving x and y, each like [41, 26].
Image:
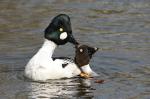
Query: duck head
[59, 30]
[83, 56]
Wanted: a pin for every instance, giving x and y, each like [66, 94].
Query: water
[121, 28]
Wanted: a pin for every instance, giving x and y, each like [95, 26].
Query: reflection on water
[62, 89]
[119, 27]
[65, 88]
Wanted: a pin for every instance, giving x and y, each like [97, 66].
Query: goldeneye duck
[83, 56]
[42, 66]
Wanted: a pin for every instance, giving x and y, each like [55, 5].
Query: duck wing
[65, 60]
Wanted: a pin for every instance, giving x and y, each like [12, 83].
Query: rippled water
[121, 28]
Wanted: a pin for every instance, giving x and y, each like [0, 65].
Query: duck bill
[72, 40]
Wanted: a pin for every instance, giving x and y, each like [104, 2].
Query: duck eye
[61, 29]
[81, 50]
[95, 48]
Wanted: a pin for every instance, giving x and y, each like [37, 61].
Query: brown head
[83, 54]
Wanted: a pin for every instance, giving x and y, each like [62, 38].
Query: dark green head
[60, 31]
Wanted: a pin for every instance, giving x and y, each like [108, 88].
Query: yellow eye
[61, 29]
[81, 50]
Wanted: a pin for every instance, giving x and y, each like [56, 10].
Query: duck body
[43, 67]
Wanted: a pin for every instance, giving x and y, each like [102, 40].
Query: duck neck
[86, 68]
[48, 48]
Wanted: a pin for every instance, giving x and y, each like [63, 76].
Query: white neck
[87, 69]
[48, 48]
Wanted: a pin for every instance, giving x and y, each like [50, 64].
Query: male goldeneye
[42, 66]
[83, 56]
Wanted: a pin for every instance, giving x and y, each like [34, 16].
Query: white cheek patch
[63, 35]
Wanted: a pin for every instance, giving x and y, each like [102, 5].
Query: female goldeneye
[42, 66]
[83, 56]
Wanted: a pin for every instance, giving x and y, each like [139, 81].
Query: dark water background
[120, 27]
